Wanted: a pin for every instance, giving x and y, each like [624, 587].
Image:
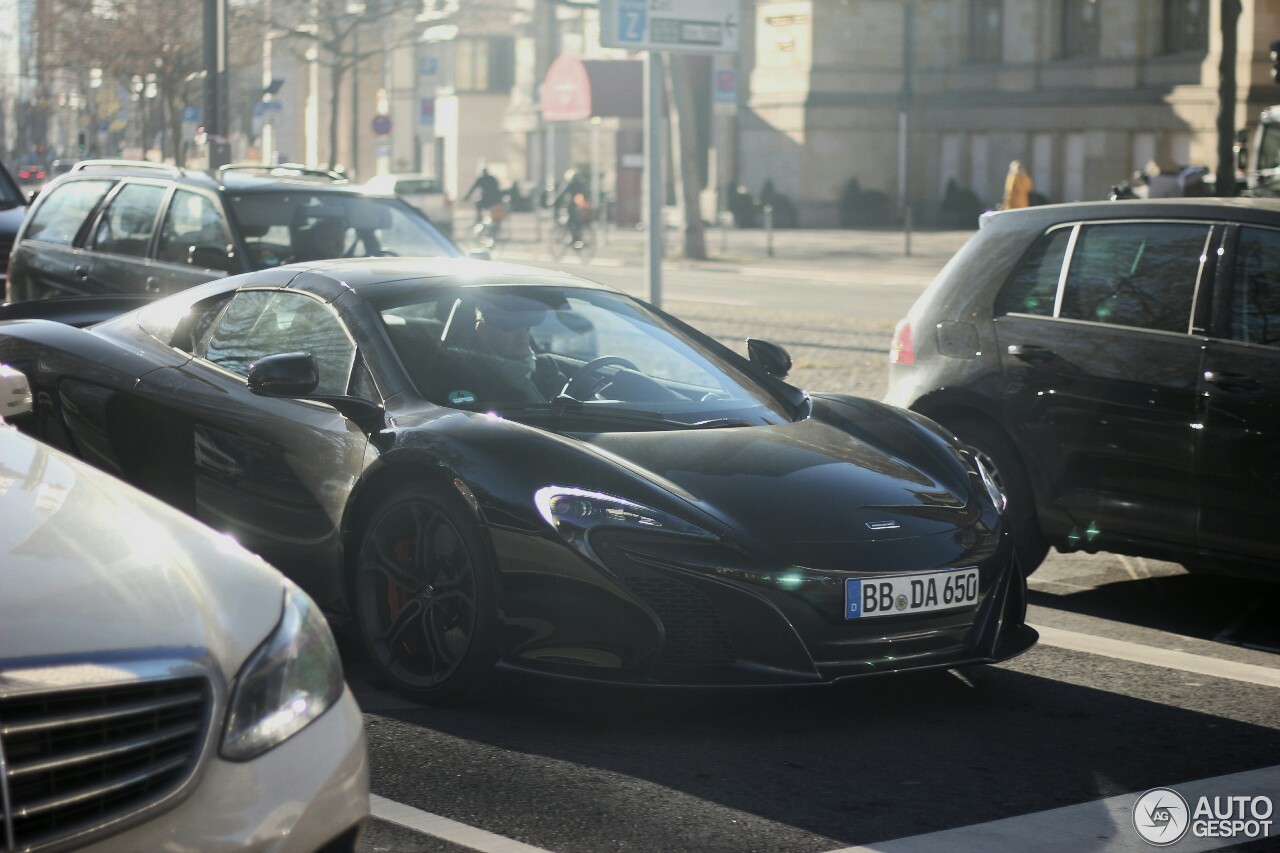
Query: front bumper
[308, 792]
[680, 614]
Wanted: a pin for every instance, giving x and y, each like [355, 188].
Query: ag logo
[1161, 816]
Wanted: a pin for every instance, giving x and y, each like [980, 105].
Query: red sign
[382, 124]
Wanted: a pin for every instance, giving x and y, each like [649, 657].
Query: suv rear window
[1034, 287]
[59, 218]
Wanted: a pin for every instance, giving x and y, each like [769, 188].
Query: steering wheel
[586, 381]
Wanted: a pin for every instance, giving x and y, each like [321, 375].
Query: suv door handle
[1030, 353]
[1236, 383]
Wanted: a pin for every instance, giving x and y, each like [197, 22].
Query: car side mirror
[31, 196]
[292, 374]
[772, 358]
[296, 375]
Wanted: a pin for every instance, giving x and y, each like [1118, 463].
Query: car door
[194, 244]
[274, 473]
[1240, 390]
[47, 258]
[119, 242]
[1102, 375]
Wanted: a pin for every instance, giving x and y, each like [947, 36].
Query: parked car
[13, 207]
[32, 173]
[422, 191]
[160, 687]
[1117, 367]
[485, 463]
[134, 227]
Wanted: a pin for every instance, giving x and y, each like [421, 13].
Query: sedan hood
[845, 475]
[92, 569]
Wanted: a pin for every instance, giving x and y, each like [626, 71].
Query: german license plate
[900, 594]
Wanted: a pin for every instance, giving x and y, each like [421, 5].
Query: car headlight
[574, 513]
[993, 490]
[289, 681]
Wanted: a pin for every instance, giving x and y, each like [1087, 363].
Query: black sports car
[488, 464]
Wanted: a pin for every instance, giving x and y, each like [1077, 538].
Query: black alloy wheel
[1001, 459]
[425, 596]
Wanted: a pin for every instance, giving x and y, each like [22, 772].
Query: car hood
[93, 570]
[844, 475]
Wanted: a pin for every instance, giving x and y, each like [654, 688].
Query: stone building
[1082, 92]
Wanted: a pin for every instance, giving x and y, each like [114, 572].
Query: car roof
[238, 178]
[371, 276]
[1238, 209]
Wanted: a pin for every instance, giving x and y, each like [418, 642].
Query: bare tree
[154, 45]
[332, 27]
[684, 160]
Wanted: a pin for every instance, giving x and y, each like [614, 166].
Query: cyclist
[572, 199]
[490, 193]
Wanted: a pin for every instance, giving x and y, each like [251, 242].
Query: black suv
[13, 206]
[1117, 365]
[126, 227]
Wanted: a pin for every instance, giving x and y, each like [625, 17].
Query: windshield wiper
[565, 406]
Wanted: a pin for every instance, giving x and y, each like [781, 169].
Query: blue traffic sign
[633, 21]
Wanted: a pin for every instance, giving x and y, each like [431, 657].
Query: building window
[483, 64]
[1080, 29]
[1186, 25]
[986, 30]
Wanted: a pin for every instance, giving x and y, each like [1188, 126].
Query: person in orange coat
[1017, 187]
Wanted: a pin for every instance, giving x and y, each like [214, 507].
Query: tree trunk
[1226, 179]
[336, 73]
[684, 154]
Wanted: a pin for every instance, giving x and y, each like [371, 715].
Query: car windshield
[298, 225]
[593, 358]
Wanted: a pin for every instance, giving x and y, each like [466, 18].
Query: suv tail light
[903, 349]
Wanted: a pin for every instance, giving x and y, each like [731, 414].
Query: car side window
[1140, 274]
[1255, 288]
[1034, 287]
[59, 217]
[125, 228]
[259, 323]
[194, 232]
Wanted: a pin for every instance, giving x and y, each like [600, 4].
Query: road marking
[1101, 824]
[1152, 656]
[442, 827]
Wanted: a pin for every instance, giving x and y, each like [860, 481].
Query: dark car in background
[13, 207]
[138, 228]
[1117, 365]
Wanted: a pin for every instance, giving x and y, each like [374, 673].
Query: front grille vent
[695, 634]
[79, 759]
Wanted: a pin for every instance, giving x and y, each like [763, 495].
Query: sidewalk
[874, 252]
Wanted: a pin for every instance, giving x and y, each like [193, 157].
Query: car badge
[883, 525]
[461, 398]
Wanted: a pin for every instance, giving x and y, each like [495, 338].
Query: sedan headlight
[574, 513]
[993, 489]
[289, 681]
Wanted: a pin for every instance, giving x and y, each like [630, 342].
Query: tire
[1004, 463]
[425, 597]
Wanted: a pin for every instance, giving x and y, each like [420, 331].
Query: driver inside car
[498, 363]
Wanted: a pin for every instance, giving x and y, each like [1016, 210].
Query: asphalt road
[1146, 676]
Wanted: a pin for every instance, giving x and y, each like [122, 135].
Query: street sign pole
[653, 173]
[656, 27]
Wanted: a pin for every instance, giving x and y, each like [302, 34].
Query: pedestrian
[1017, 187]
[490, 193]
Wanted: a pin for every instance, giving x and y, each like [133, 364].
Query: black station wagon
[1117, 366]
[137, 228]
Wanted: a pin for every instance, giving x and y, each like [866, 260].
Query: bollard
[906, 231]
[768, 229]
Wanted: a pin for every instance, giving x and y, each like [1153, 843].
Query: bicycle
[491, 230]
[562, 239]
